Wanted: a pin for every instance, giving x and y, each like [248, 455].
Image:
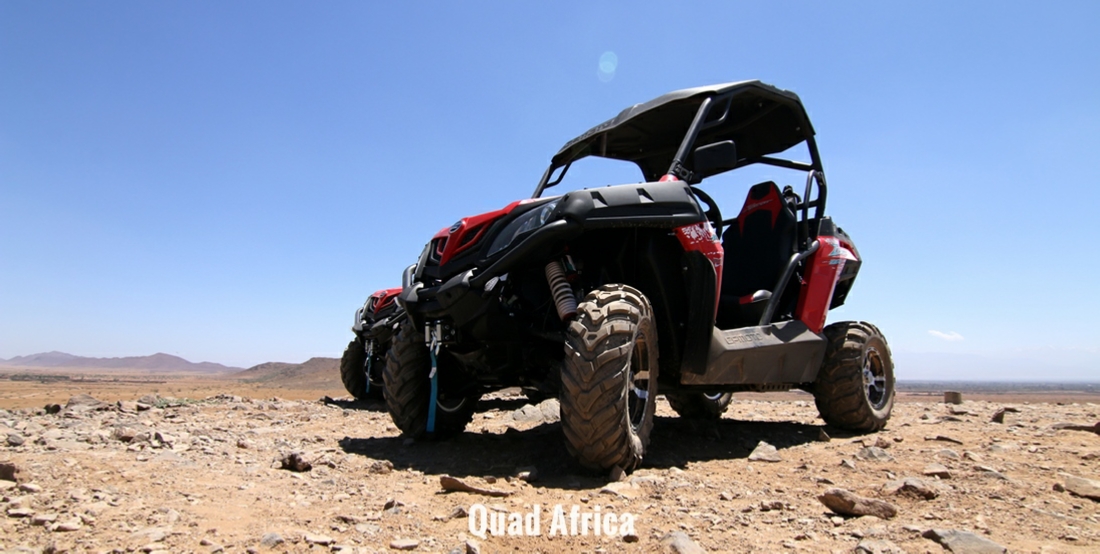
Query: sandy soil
[205, 476]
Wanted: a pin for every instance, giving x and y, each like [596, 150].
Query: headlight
[523, 224]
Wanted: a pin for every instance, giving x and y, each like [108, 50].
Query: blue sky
[229, 181]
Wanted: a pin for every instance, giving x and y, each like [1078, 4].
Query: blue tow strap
[433, 333]
[370, 354]
[434, 378]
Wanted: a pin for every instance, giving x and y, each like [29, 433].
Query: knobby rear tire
[845, 398]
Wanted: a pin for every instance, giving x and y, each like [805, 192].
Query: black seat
[758, 245]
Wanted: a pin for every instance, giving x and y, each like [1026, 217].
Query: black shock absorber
[564, 300]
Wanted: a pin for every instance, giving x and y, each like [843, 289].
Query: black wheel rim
[638, 375]
[450, 405]
[874, 380]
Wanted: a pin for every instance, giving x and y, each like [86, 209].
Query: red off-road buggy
[606, 296]
[364, 357]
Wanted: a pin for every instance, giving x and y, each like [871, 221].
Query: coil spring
[564, 300]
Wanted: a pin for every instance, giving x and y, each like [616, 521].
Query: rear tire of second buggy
[353, 369]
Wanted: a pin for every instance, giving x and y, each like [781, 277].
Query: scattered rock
[547, 411]
[764, 452]
[948, 453]
[43, 519]
[847, 464]
[848, 503]
[20, 512]
[937, 470]
[473, 547]
[874, 453]
[617, 474]
[990, 472]
[963, 542]
[9, 471]
[881, 442]
[527, 473]
[1076, 427]
[15, 439]
[323, 540]
[1080, 486]
[450, 484]
[911, 487]
[295, 462]
[52, 409]
[68, 526]
[271, 540]
[943, 438]
[153, 534]
[30, 487]
[124, 433]
[458, 512]
[380, 467]
[404, 544]
[772, 505]
[622, 489]
[877, 546]
[952, 397]
[677, 542]
[84, 403]
[999, 416]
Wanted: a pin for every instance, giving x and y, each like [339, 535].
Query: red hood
[382, 299]
[468, 232]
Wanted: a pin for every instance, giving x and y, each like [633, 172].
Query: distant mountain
[160, 362]
[319, 373]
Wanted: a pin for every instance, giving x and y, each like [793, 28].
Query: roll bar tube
[818, 204]
[773, 302]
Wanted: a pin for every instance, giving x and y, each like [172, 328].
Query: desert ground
[197, 465]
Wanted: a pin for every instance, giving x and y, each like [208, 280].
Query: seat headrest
[762, 197]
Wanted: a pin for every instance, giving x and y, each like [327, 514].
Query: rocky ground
[219, 475]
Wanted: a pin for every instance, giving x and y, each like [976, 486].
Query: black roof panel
[762, 120]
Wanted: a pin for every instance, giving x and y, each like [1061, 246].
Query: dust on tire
[843, 395]
[613, 338]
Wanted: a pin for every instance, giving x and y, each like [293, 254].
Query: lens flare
[609, 62]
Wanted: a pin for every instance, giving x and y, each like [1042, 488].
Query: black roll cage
[701, 121]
